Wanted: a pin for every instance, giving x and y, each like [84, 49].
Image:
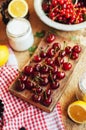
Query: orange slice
[77, 111]
[18, 8]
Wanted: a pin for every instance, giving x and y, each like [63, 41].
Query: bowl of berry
[66, 15]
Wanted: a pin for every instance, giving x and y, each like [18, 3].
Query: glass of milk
[19, 34]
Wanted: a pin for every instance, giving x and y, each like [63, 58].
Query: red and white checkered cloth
[18, 113]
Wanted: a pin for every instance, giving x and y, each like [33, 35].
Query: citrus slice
[18, 8]
[4, 54]
[77, 111]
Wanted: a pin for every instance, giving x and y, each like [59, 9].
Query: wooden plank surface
[22, 57]
[56, 93]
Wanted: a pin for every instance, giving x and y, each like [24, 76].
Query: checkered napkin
[18, 113]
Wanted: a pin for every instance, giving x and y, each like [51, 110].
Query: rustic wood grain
[69, 94]
[57, 93]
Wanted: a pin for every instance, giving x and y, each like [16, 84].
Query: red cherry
[37, 90]
[55, 84]
[49, 61]
[48, 92]
[52, 77]
[29, 84]
[37, 67]
[60, 75]
[47, 101]
[19, 85]
[56, 46]
[77, 49]
[68, 50]
[36, 98]
[50, 38]
[45, 7]
[50, 52]
[28, 70]
[54, 69]
[67, 66]
[44, 69]
[74, 56]
[43, 54]
[54, 2]
[62, 53]
[59, 61]
[43, 81]
[23, 78]
[37, 58]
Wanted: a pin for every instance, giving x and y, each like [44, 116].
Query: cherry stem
[51, 76]
[64, 45]
[45, 95]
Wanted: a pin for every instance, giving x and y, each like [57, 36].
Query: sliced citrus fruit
[18, 8]
[77, 111]
[4, 54]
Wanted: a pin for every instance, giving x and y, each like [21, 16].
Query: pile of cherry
[64, 11]
[47, 68]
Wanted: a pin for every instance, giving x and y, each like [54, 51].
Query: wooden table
[22, 57]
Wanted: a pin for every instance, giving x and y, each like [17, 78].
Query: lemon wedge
[4, 54]
[77, 111]
[18, 8]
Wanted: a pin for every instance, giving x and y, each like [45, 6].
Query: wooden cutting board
[56, 93]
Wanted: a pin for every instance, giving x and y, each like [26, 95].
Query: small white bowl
[53, 24]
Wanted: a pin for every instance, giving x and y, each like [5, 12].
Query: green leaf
[40, 34]
[32, 49]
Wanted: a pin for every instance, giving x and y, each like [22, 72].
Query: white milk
[19, 34]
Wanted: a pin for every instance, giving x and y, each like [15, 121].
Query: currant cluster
[64, 11]
[43, 74]
[1, 108]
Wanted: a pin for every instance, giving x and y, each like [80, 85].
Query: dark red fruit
[43, 81]
[23, 78]
[29, 84]
[50, 38]
[19, 85]
[37, 89]
[37, 67]
[36, 98]
[56, 46]
[74, 56]
[77, 49]
[48, 92]
[55, 84]
[45, 7]
[28, 70]
[66, 66]
[62, 53]
[59, 61]
[54, 69]
[44, 69]
[54, 2]
[60, 75]
[52, 77]
[49, 61]
[47, 101]
[43, 54]
[68, 50]
[37, 58]
[50, 52]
